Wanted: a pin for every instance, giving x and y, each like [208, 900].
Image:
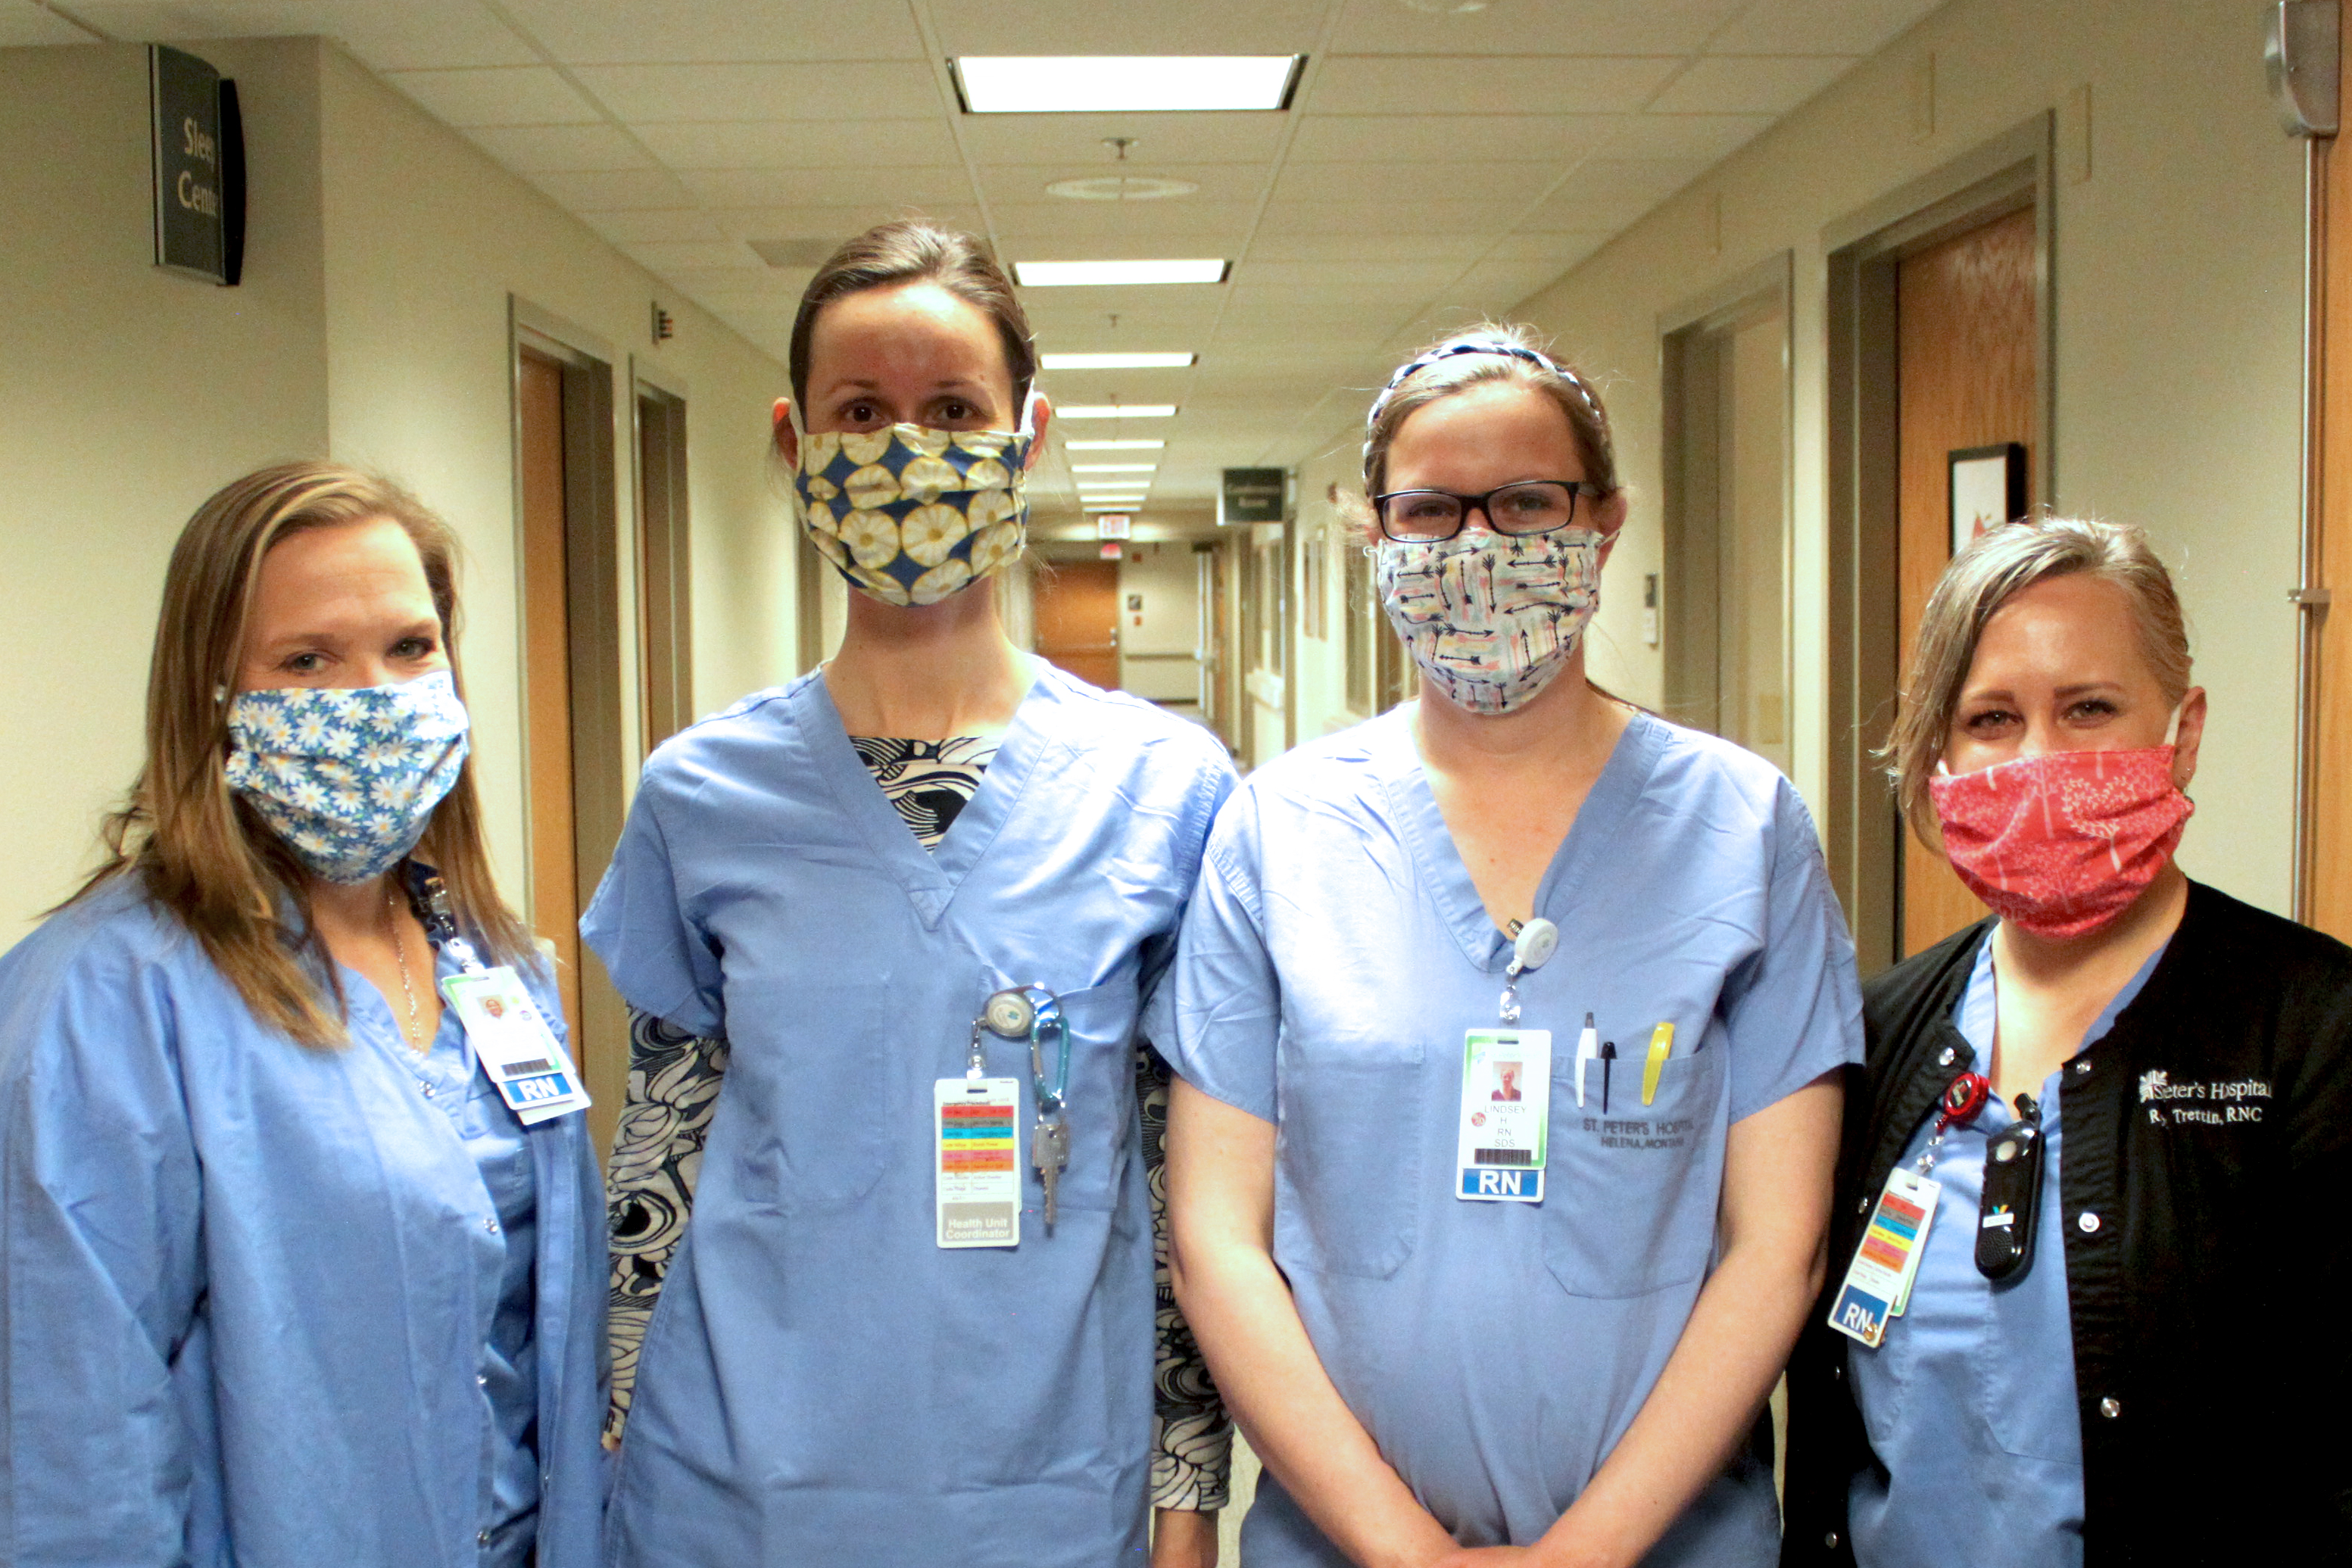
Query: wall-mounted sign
[1114, 526]
[199, 145]
[1254, 495]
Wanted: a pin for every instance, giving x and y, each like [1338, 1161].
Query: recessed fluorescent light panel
[1083, 274]
[1132, 84]
[1115, 506]
[1116, 361]
[1113, 468]
[1117, 410]
[1138, 445]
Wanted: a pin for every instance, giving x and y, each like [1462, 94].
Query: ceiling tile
[849, 89]
[1494, 287]
[801, 145]
[1459, 85]
[652, 224]
[1361, 218]
[415, 34]
[1749, 84]
[1708, 136]
[614, 189]
[1156, 138]
[1344, 278]
[1543, 27]
[1135, 230]
[646, 32]
[24, 24]
[1026, 182]
[1562, 250]
[550, 148]
[1091, 27]
[1452, 139]
[1819, 26]
[1417, 245]
[530, 95]
[683, 255]
[825, 187]
[1607, 194]
[835, 224]
[1398, 190]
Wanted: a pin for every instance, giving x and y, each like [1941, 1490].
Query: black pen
[1608, 1060]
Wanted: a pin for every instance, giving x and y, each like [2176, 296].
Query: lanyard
[428, 896]
[1033, 1013]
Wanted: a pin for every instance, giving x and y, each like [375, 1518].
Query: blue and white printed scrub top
[821, 1384]
[259, 1304]
[1969, 1401]
[1335, 954]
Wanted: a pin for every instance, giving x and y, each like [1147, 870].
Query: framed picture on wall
[1988, 489]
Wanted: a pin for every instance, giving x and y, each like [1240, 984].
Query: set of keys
[1032, 1013]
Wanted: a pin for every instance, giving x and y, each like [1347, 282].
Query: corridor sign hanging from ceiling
[1254, 495]
[199, 145]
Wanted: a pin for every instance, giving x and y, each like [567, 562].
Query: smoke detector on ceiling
[1120, 188]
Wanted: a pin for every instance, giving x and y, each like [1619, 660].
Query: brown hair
[1980, 579]
[206, 855]
[912, 250]
[1459, 373]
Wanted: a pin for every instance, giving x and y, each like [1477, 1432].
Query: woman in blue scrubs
[1456, 1327]
[286, 1281]
[920, 895]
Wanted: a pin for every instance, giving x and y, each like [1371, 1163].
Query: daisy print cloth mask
[347, 777]
[1491, 618]
[911, 515]
[2061, 844]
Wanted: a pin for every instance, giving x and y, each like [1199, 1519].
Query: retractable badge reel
[1507, 1090]
[518, 1050]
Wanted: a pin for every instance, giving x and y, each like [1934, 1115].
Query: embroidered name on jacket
[2223, 1102]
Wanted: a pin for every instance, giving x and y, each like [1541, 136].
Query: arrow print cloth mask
[1491, 618]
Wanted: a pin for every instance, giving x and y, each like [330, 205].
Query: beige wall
[2178, 309]
[371, 326]
[126, 396]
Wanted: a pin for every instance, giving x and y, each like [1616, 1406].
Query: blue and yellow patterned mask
[910, 515]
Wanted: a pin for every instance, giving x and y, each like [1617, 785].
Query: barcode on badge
[1502, 1157]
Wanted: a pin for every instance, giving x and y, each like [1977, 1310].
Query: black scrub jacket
[2206, 1179]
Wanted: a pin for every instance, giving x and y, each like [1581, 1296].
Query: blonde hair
[1980, 579]
[205, 854]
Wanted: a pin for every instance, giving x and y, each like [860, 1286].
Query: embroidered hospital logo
[2226, 1102]
[2153, 1085]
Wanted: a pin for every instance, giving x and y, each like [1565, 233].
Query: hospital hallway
[1855, 276]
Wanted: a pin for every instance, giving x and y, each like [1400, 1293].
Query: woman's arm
[1777, 1166]
[1221, 1195]
[674, 1081]
[1192, 1437]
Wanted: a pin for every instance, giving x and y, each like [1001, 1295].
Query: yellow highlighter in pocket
[1662, 1041]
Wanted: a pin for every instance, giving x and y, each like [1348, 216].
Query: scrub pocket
[1630, 1200]
[810, 1118]
[1102, 1118]
[1348, 1157]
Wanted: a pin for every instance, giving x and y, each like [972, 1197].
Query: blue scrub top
[1969, 1401]
[257, 1300]
[821, 1383]
[1333, 958]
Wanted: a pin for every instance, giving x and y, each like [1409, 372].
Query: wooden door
[547, 672]
[2323, 878]
[1965, 335]
[1077, 619]
[665, 570]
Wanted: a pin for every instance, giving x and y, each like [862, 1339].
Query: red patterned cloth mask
[2061, 844]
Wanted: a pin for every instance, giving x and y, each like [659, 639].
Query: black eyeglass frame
[1575, 487]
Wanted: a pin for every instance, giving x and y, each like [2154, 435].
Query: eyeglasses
[1532, 507]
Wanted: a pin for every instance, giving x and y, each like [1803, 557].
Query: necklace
[415, 1031]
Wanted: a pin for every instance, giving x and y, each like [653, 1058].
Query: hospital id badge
[515, 1046]
[1506, 1115]
[1878, 1285]
[975, 1125]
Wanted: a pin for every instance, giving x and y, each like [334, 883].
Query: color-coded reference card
[1878, 1285]
[976, 1139]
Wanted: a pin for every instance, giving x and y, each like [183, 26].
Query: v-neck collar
[929, 877]
[1405, 781]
